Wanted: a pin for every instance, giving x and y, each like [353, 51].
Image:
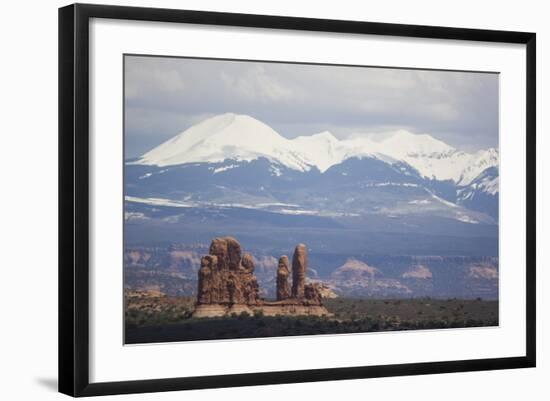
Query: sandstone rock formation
[207, 286]
[228, 252]
[227, 284]
[225, 276]
[312, 294]
[299, 266]
[283, 286]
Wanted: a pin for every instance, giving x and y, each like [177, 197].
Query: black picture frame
[74, 201]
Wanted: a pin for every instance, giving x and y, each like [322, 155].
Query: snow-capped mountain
[236, 161]
[227, 136]
[240, 137]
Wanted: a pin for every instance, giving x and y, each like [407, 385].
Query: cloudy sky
[164, 96]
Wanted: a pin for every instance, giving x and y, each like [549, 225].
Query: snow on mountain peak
[406, 143]
[244, 138]
[479, 162]
[226, 136]
[325, 135]
[322, 150]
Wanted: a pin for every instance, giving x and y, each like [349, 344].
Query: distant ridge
[244, 138]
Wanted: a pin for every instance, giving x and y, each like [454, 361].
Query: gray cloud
[164, 96]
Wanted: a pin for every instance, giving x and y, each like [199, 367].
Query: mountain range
[235, 161]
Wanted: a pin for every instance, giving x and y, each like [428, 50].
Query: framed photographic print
[250, 199]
